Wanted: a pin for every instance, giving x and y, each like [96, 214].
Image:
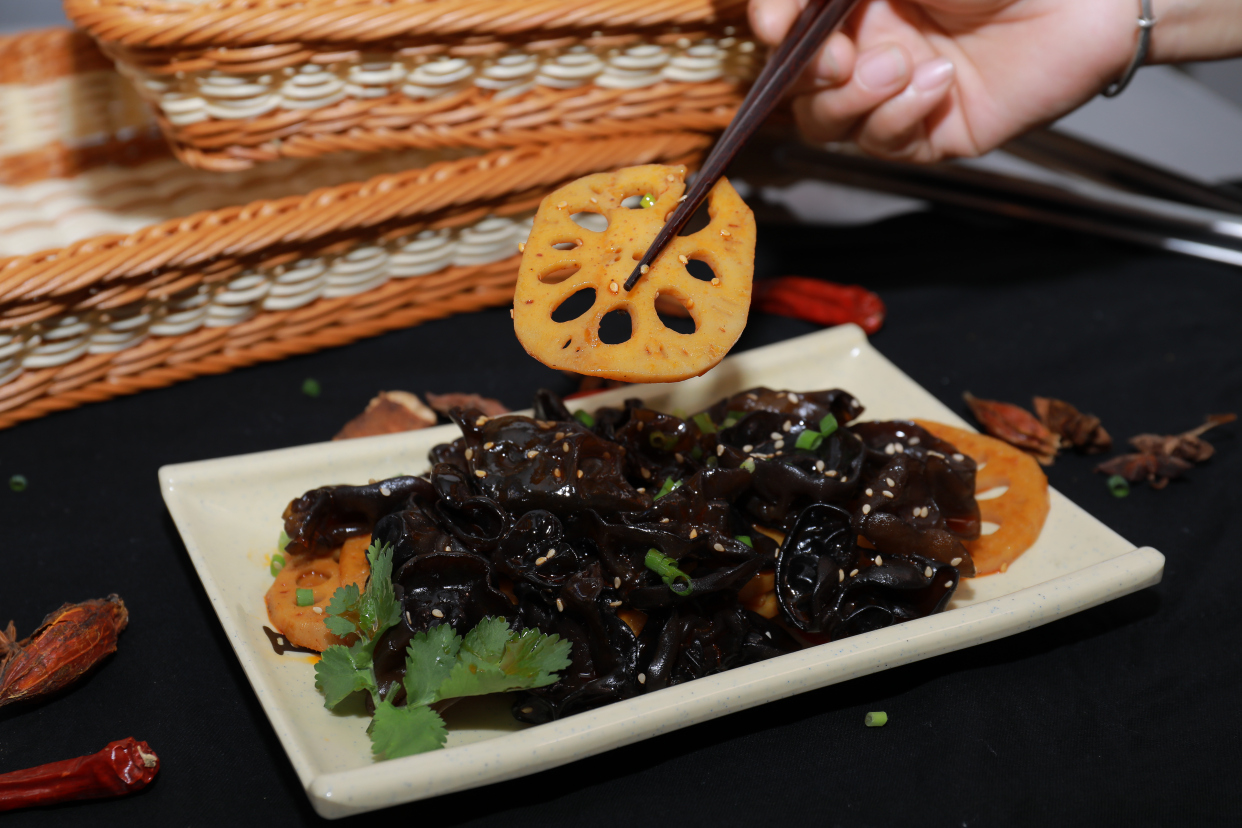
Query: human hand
[922, 80]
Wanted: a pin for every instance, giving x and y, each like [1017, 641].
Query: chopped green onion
[749, 464]
[648, 200]
[696, 453]
[745, 539]
[1118, 485]
[704, 423]
[828, 425]
[311, 387]
[679, 413]
[667, 569]
[278, 563]
[662, 441]
[809, 440]
[18, 482]
[669, 485]
[584, 418]
[306, 597]
[877, 719]
[734, 418]
[282, 543]
[712, 462]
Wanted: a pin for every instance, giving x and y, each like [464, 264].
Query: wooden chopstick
[814, 24]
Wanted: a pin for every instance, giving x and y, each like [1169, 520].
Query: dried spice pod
[389, 412]
[120, 768]
[1188, 445]
[1016, 426]
[1082, 431]
[1156, 469]
[444, 403]
[68, 643]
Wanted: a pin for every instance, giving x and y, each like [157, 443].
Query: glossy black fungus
[548, 522]
[827, 584]
[324, 518]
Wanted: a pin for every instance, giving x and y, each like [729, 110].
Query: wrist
[1192, 30]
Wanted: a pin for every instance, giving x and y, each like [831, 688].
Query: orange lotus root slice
[563, 258]
[303, 626]
[1020, 512]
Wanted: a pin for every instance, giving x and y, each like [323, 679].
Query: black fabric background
[1126, 714]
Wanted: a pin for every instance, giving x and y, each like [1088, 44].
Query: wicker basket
[134, 294]
[235, 82]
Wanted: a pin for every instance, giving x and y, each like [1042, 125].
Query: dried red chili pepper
[1016, 426]
[819, 301]
[69, 642]
[121, 768]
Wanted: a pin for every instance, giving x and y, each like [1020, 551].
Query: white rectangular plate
[228, 512]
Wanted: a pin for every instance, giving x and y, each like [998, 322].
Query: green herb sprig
[439, 663]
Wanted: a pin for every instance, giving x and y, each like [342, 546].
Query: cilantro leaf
[343, 670]
[405, 731]
[378, 608]
[494, 659]
[342, 611]
[428, 662]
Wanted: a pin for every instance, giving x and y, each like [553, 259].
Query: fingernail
[882, 68]
[933, 74]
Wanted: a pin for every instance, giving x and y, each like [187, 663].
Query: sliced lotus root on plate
[566, 259]
[1018, 513]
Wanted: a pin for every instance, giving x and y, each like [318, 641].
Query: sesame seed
[560, 435]
[914, 441]
[720, 449]
[669, 178]
[718, 547]
[408, 619]
[612, 287]
[614, 603]
[935, 454]
[899, 448]
[559, 606]
[819, 465]
[948, 584]
[385, 491]
[840, 575]
[616, 582]
[767, 633]
[918, 512]
[927, 572]
[644, 268]
[682, 258]
[870, 493]
[792, 397]
[532, 454]
[680, 200]
[556, 472]
[664, 520]
[317, 609]
[551, 553]
[830, 473]
[482, 420]
[564, 446]
[725, 233]
[716, 280]
[879, 561]
[959, 457]
[437, 613]
[469, 454]
[889, 481]
[594, 200]
[853, 573]
[642, 678]
[887, 493]
[480, 473]
[775, 435]
[579, 473]
[641, 490]
[955, 562]
[541, 560]
[562, 205]
[780, 444]
[1004, 567]
[677, 456]
[889, 449]
[694, 533]
[866, 510]
[646, 473]
[529, 710]
[510, 313]
[640, 425]
[748, 448]
[488, 445]
[521, 247]
[787, 427]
